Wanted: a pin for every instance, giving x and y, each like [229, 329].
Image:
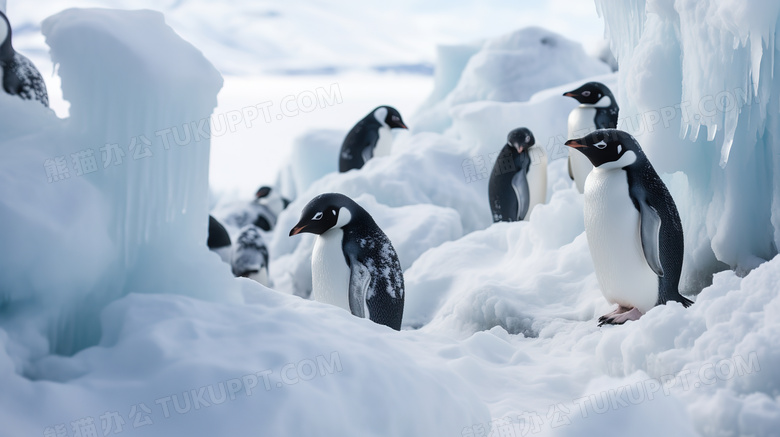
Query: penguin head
[6, 49]
[389, 116]
[521, 139]
[592, 93]
[325, 212]
[263, 191]
[608, 148]
[265, 195]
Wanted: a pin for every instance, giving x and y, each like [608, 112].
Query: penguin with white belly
[597, 110]
[370, 137]
[354, 265]
[632, 226]
[517, 183]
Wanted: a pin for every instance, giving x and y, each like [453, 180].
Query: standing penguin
[354, 265]
[598, 110]
[516, 183]
[632, 225]
[20, 77]
[250, 256]
[370, 136]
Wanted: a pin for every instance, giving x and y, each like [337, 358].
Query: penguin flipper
[650, 232]
[522, 192]
[568, 164]
[359, 284]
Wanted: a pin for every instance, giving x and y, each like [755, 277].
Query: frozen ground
[116, 320]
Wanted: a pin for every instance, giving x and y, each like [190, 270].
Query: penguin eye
[395, 118]
[527, 139]
[333, 211]
[586, 93]
[317, 216]
[601, 145]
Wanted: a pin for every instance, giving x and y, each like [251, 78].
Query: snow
[509, 68]
[114, 315]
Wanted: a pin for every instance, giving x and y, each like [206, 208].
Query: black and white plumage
[20, 77]
[354, 265]
[250, 255]
[262, 211]
[632, 226]
[597, 110]
[219, 239]
[370, 137]
[516, 183]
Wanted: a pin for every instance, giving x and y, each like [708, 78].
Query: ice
[128, 216]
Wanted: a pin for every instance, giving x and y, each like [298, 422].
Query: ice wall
[700, 92]
[114, 198]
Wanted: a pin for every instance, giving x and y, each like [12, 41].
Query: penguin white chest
[613, 231]
[581, 123]
[384, 144]
[330, 272]
[537, 179]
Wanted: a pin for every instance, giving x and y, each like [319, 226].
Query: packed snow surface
[115, 319]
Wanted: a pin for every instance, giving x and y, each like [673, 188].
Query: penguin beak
[575, 144]
[518, 147]
[297, 229]
[402, 125]
[569, 94]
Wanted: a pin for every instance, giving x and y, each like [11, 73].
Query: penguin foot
[620, 310]
[619, 316]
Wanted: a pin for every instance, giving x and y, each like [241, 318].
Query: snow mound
[314, 154]
[526, 275]
[510, 68]
[545, 113]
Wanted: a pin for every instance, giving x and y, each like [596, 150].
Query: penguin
[354, 265]
[219, 239]
[369, 137]
[262, 211]
[598, 110]
[517, 183]
[268, 204]
[632, 226]
[250, 256]
[20, 77]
